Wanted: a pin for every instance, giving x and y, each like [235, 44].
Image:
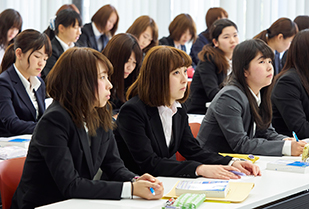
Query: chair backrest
[10, 174]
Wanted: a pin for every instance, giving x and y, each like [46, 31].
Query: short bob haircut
[118, 50]
[67, 18]
[243, 54]
[9, 18]
[179, 26]
[27, 40]
[302, 22]
[213, 14]
[100, 18]
[73, 82]
[140, 25]
[153, 83]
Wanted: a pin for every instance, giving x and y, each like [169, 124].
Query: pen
[238, 173]
[152, 191]
[294, 134]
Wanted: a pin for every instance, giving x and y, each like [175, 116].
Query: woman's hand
[141, 188]
[247, 167]
[217, 172]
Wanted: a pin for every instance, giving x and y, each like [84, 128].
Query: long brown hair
[243, 54]
[210, 52]
[152, 85]
[118, 50]
[73, 82]
[140, 25]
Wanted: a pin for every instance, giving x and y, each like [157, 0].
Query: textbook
[212, 188]
[288, 166]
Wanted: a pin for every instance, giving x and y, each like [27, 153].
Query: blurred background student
[153, 124]
[214, 66]
[22, 91]
[145, 30]
[278, 37]
[238, 119]
[125, 54]
[74, 139]
[182, 29]
[103, 26]
[290, 96]
[203, 38]
[67, 29]
[10, 26]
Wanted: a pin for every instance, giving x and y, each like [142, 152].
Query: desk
[271, 186]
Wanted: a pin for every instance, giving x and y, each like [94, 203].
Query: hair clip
[52, 23]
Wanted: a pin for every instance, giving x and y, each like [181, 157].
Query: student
[182, 29]
[279, 37]
[290, 96]
[104, 24]
[124, 53]
[153, 125]
[22, 92]
[214, 66]
[10, 26]
[50, 29]
[67, 32]
[145, 30]
[74, 139]
[203, 38]
[239, 117]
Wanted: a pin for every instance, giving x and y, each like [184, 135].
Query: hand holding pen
[297, 146]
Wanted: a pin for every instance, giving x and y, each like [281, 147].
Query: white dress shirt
[64, 45]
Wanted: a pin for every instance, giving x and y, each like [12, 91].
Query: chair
[195, 127]
[10, 174]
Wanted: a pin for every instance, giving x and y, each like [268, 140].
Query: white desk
[271, 186]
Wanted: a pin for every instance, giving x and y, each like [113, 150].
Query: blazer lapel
[175, 129]
[92, 39]
[96, 145]
[83, 137]
[41, 103]
[21, 91]
[157, 130]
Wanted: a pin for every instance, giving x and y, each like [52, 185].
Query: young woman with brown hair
[103, 26]
[182, 29]
[22, 91]
[153, 125]
[145, 30]
[124, 53]
[74, 139]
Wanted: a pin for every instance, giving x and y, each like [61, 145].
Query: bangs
[179, 59]
[266, 51]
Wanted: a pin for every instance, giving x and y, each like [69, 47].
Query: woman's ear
[280, 37]
[246, 73]
[215, 42]
[61, 28]
[18, 53]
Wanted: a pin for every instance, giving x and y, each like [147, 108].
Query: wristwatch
[234, 159]
[134, 179]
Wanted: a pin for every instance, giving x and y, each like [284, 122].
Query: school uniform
[62, 161]
[277, 63]
[290, 103]
[168, 41]
[206, 83]
[143, 147]
[18, 114]
[89, 37]
[198, 45]
[229, 127]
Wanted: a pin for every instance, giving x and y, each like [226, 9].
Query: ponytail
[8, 58]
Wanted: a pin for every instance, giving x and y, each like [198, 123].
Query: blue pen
[238, 173]
[294, 134]
[152, 191]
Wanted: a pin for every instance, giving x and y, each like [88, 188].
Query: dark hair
[9, 18]
[283, 26]
[213, 14]
[243, 54]
[73, 82]
[302, 22]
[100, 18]
[209, 51]
[118, 50]
[67, 18]
[179, 26]
[140, 25]
[297, 58]
[27, 40]
[152, 85]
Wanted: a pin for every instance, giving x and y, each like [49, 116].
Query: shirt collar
[64, 45]
[173, 108]
[34, 81]
[257, 98]
[95, 30]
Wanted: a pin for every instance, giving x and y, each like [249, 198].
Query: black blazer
[290, 105]
[57, 51]
[206, 83]
[168, 41]
[61, 165]
[142, 145]
[17, 113]
[87, 38]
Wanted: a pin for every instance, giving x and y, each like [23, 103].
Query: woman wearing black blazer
[290, 96]
[74, 139]
[153, 125]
